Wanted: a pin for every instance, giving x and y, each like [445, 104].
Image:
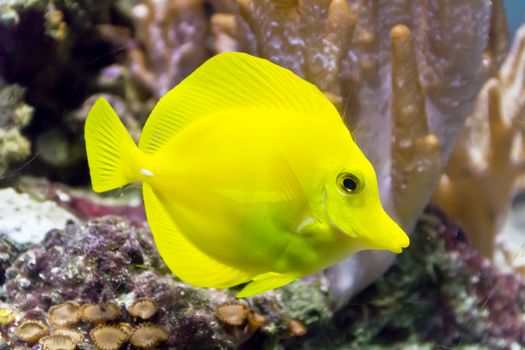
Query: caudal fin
[113, 157]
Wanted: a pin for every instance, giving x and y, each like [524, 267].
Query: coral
[403, 74]
[76, 336]
[143, 308]
[64, 315]
[14, 115]
[51, 49]
[240, 321]
[440, 294]
[147, 336]
[57, 342]
[232, 314]
[83, 203]
[9, 251]
[108, 337]
[99, 313]
[488, 163]
[169, 44]
[18, 226]
[31, 331]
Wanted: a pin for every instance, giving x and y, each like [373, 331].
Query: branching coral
[404, 75]
[170, 42]
[489, 159]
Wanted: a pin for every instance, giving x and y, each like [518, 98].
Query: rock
[24, 219]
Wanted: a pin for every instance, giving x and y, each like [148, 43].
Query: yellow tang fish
[248, 173]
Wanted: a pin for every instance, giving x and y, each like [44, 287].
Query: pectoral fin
[266, 281]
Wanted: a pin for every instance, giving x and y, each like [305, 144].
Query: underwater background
[433, 93]
[516, 14]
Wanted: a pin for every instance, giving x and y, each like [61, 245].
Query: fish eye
[349, 183]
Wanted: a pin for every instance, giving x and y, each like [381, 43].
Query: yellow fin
[185, 260]
[231, 81]
[266, 281]
[113, 157]
[290, 188]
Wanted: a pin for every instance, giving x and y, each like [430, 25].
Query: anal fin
[183, 258]
[266, 281]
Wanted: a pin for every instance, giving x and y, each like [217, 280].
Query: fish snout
[385, 234]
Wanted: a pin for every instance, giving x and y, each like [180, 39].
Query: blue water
[515, 13]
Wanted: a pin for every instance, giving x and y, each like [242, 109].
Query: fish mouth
[379, 233]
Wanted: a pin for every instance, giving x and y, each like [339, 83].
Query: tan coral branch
[488, 161]
[416, 153]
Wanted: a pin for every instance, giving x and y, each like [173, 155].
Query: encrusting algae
[245, 156]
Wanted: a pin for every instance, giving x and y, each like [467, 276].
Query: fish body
[249, 174]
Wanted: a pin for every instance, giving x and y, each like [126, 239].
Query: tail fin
[113, 157]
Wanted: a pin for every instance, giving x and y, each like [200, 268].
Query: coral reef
[143, 308]
[404, 76]
[105, 262]
[168, 44]
[397, 71]
[50, 48]
[83, 203]
[14, 115]
[488, 163]
[440, 293]
[64, 315]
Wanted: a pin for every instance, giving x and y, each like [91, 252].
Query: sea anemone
[99, 313]
[30, 331]
[232, 314]
[108, 337]
[64, 315]
[143, 308]
[148, 336]
[75, 336]
[241, 321]
[57, 342]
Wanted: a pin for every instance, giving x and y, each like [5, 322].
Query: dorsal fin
[231, 81]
